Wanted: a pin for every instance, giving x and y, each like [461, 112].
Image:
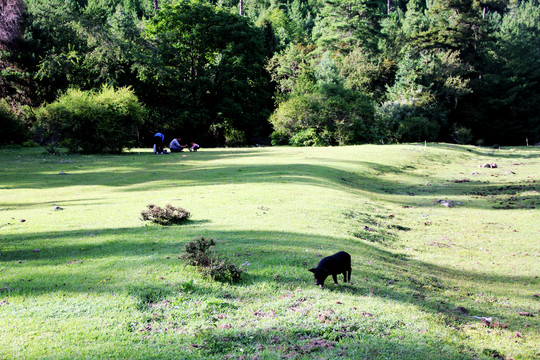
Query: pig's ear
[312, 270]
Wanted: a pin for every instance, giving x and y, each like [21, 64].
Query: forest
[104, 75]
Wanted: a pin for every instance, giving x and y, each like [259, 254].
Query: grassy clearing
[91, 280]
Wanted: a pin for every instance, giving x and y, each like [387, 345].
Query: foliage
[346, 24]
[206, 72]
[407, 122]
[507, 96]
[83, 45]
[12, 18]
[307, 137]
[211, 70]
[169, 215]
[463, 135]
[199, 252]
[369, 76]
[223, 271]
[332, 115]
[104, 121]
[13, 130]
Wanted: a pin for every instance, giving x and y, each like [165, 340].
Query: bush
[50, 149]
[168, 216]
[330, 115]
[417, 128]
[13, 130]
[223, 271]
[199, 252]
[279, 138]
[234, 137]
[463, 135]
[407, 122]
[93, 122]
[307, 137]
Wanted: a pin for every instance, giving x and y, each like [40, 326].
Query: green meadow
[445, 254]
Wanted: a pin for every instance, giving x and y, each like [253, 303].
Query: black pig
[339, 263]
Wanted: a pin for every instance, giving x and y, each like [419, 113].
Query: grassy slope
[105, 285]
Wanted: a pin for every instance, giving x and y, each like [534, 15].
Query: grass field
[445, 254]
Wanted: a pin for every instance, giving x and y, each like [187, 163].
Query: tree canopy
[330, 71]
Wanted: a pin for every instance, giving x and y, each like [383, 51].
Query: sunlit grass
[91, 280]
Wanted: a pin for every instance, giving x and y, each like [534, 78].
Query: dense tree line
[303, 72]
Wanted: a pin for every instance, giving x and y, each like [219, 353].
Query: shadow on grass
[72, 261]
[145, 171]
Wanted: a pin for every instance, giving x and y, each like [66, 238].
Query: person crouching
[158, 143]
[193, 146]
[175, 145]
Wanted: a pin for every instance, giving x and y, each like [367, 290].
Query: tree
[11, 13]
[505, 108]
[344, 24]
[453, 25]
[211, 71]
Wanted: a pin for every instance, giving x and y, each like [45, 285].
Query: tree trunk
[11, 13]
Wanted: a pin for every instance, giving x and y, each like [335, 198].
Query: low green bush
[200, 253]
[407, 122]
[463, 135]
[104, 121]
[332, 115]
[307, 137]
[223, 271]
[13, 130]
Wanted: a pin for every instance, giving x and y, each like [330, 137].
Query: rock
[448, 203]
[492, 165]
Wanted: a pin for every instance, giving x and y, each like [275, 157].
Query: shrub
[105, 121]
[417, 128]
[50, 149]
[463, 135]
[330, 115]
[168, 216]
[199, 252]
[223, 271]
[408, 122]
[279, 138]
[234, 137]
[13, 130]
[307, 137]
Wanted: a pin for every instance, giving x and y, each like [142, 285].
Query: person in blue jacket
[158, 143]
